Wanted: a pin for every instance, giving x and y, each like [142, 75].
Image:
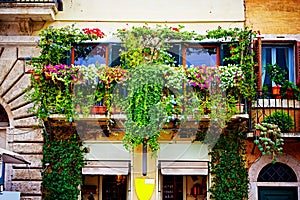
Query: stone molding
[263, 161]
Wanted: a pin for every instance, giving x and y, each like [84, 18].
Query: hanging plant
[269, 140]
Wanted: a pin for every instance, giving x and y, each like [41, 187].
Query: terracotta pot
[37, 77]
[116, 109]
[98, 110]
[276, 91]
[78, 109]
[240, 107]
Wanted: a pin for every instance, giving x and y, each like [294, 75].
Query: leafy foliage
[63, 174]
[269, 140]
[146, 45]
[284, 121]
[229, 174]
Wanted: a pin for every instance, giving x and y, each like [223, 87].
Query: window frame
[106, 45]
[199, 45]
[273, 45]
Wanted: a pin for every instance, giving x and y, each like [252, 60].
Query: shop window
[172, 187]
[114, 187]
[199, 55]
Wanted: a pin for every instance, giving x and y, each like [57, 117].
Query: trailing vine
[229, 174]
[52, 85]
[269, 140]
[62, 161]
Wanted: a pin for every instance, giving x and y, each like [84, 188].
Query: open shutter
[258, 62]
[298, 63]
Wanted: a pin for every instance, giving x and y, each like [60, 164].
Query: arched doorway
[277, 172]
[274, 181]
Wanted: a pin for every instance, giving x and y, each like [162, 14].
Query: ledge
[35, 11]
[283, 135]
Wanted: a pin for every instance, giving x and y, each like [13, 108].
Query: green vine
[229, 174]
[62, 161]
[52, 91]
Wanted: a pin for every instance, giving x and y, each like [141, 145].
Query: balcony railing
[269, 108]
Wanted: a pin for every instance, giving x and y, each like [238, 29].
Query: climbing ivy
[229, 174]
[62, 161]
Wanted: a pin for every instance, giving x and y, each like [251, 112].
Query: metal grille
[277, 172]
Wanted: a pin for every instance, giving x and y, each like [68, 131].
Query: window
[277, 172]
[109, 54]
[86, 54]
[198, 55]
[282, 55]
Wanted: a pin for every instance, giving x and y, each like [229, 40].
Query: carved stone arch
[8, 112]
[262, 162]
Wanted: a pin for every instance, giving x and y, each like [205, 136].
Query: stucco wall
[199, 15]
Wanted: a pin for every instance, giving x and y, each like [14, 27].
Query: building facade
[278, 23]
[181, 169]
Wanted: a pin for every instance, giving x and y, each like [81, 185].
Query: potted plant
[277, 76]
[284, 121]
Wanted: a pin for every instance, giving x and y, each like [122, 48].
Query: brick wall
[273, 16]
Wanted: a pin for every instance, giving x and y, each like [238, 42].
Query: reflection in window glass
[89, 54]
[198, 56]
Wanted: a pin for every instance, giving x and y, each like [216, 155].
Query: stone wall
[20, 136]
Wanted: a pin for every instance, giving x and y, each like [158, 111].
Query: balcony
[34, 10]
[271, 108]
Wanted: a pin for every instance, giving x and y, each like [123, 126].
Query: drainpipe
[144, 164]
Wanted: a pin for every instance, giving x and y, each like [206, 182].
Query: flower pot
[78, 109]
[289, 93]
[98, 110]
[116, 109]
[240, 107]
[37, 77]
[276, 91]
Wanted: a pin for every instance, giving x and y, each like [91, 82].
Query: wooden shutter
[258, 62]
[298, 63]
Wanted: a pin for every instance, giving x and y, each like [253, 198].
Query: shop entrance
[105, 187]
[114, 187]
[184, 187]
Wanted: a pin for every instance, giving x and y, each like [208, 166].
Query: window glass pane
[174, 52]
[89, 54]
[198, 56]
[115, 55]
[267, 59]
[277, 172]
[282, 59]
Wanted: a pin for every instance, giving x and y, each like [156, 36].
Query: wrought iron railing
[269, 108]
